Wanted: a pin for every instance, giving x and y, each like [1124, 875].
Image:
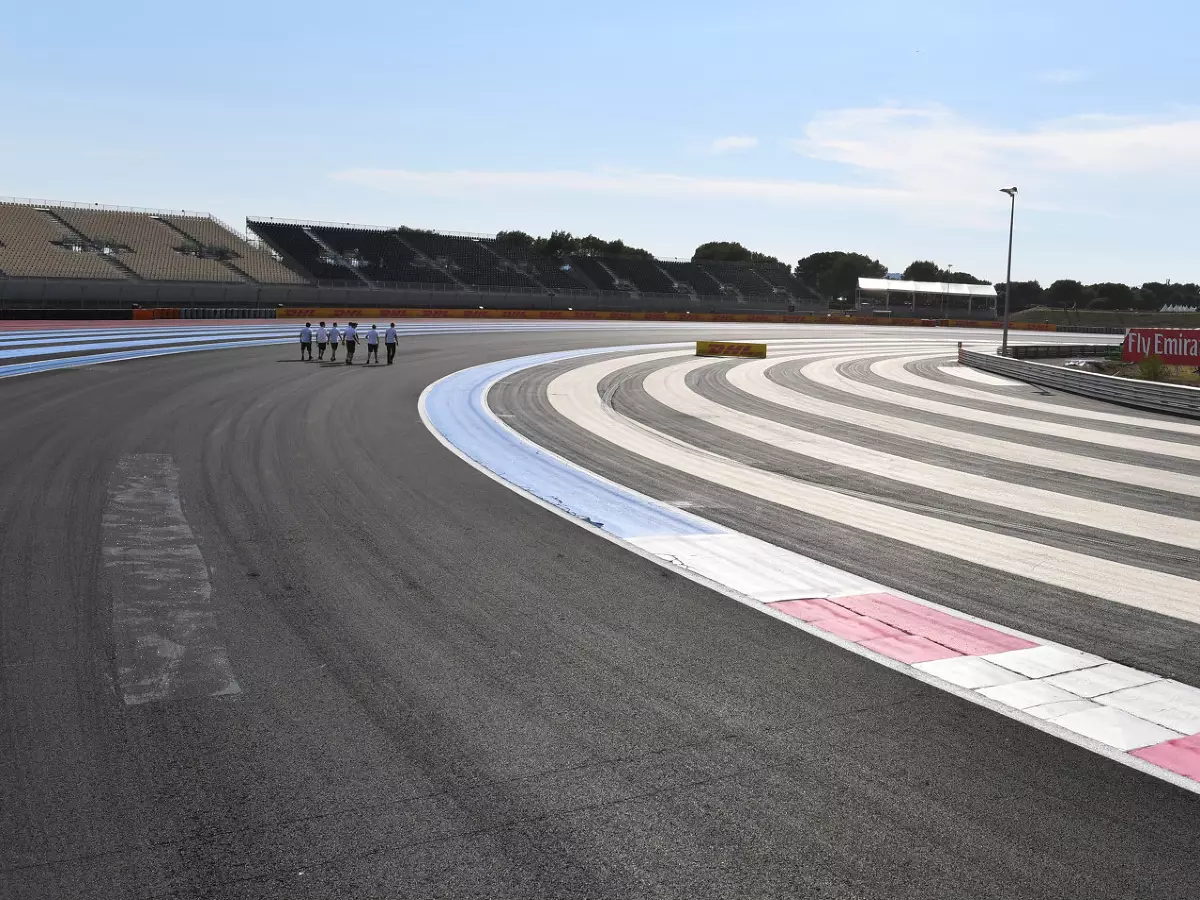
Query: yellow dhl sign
[725, 348]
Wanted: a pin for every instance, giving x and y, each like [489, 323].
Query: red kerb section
[901, 629]
[963, 635]
[1181, 755]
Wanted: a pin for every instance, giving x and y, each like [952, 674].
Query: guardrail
[1177, 399]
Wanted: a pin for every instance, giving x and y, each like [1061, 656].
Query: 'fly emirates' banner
[1174, 346]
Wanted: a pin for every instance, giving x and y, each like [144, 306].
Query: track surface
[446, 691]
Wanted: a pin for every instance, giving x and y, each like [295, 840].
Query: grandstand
[64, 255]
[42, 240]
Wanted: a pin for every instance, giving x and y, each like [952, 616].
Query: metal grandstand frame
[253, 240]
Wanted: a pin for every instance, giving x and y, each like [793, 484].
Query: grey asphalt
[448, 691]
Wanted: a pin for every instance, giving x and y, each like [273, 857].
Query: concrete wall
[32, 293]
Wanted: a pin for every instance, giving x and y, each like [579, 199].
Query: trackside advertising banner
[728, 348]
[1174, 346]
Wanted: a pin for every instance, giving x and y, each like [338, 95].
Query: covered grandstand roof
[926, 287]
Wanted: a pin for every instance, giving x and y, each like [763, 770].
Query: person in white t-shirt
[389, 340]
[322, 340]
[306, 340]
[350, 336]
[334, 337]
[372, 345]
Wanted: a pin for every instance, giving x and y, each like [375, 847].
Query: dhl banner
[730, 348]
[343, 313]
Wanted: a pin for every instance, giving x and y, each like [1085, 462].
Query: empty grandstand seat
[692, 275]
[292, 243]
[154, 246]
[594, 271]
[747, 281]
[33, 244]
[643, 273]
[253, 261]
[545, 270]
[468, 259]
[380, 255]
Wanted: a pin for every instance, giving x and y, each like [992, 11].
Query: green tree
[835, 273]
[962, 278]
[1066, 293]
[1024, 295]
[1118, 296]
[516, 239]
[927, 270]
[732, 251]
[924, 270]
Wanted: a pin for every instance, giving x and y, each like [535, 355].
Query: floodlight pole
[1012, 195]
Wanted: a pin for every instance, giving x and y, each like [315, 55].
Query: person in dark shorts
[372, 345]
[322, 340]
[350, 335]
[306, 340]
[389, 341]
[334, 337]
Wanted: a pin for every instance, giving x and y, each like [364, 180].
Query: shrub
[1152, 368]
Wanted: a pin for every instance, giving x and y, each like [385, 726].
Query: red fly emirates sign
[1174, 346]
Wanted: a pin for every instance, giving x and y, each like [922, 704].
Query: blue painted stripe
[455, 408]
[75, 362]
[26, 352]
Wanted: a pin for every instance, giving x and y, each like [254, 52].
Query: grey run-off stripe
[168, 643]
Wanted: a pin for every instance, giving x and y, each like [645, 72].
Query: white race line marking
[894, 370]
[669, 386]
[574, 395]
[753, 567]
[824, 372]
[168, 645]
[957, 371]
[751, 377]
[1165, 762]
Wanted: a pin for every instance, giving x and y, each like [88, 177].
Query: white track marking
[574, 396]
[753, 567]
[894, 370]
[668, 386]
[824, 372]
[966, 372]
[168, 642]
[751, 377]
[1013, 700]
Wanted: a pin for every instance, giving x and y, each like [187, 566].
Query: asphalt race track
[395, 677]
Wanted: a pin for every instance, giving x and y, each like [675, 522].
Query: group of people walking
[332, 336]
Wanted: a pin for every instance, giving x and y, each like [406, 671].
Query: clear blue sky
[792, 127]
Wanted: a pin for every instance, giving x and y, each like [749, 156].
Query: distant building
[924, 299]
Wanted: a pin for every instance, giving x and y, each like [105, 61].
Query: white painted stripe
[894, 370]
[824, 372]
[751, 377]
[574, 396]
[753, 567]
[668, 386]
[167, 640]
[1116, 728]
[1040, 716]
[957, 371]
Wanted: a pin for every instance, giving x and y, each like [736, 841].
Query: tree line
[834, 274]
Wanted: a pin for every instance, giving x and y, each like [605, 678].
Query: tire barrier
[1177, 399]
